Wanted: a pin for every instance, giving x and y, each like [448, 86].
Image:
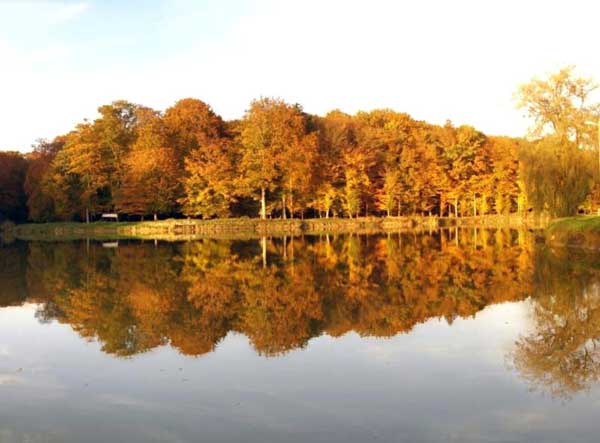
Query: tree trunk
[474, 206]
[263, 245]
[263, 204]
[155, 216]
[283, 216]
[399, 208]
[389, 212]
[291, 200]
[456, 207]
[327, 213]
[87, 216]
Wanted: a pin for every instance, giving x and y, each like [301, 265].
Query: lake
[445, 336]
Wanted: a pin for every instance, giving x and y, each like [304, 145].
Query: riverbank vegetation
[281, 162]
[277, 161]
[248, 228]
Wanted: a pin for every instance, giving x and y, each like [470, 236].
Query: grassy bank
[581, 231]
[183, 229]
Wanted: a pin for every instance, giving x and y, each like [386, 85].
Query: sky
[434, 59]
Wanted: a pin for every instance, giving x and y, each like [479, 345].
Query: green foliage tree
[557, 172]
[557, 175]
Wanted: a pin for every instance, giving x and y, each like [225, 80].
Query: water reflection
[278, 292]
[513, 315]
[561, 355]
[282, 292]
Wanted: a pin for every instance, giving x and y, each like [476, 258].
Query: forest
[279, 161]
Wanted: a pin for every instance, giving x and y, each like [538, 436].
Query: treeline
[277, 161]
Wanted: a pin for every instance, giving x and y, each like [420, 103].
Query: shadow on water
[281, 292]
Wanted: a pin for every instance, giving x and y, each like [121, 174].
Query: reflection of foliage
[12, 274]
[562, 354]
[190, 295]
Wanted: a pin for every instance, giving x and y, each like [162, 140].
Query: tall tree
[210, 172]
[115, 133]
[40, 204]
[191, 124]
[559, 105]
[269, 128]
[81, 175]
[337, 135]
[151, 181]
[559, 108]
[298, 160]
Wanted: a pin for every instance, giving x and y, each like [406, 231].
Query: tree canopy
[279, 161]
[558, 170]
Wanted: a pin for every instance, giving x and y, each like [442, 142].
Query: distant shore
[187, 229]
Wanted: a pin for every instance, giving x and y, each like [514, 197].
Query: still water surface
[451, 336]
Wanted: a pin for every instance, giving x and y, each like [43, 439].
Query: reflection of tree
[562, 355]
[281, 308]
[190, 295]
[13, 262]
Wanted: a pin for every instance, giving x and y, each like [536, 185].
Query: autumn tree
[501, 183]
[461, 156]
[80, 179]
[192, 124]
[115, 133]
[88, 172]
[13, 169]
[268, 130]
[189, 161]
[40, 204]
[382, 137]
[209, 182]
[337, 135]
[150, 183]
[298, 161]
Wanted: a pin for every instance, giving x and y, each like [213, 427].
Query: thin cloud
[68, 12]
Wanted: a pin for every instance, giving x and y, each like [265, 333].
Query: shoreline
[581, 232]
[242, 228]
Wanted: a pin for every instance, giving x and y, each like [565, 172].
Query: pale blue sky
[436, 60]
